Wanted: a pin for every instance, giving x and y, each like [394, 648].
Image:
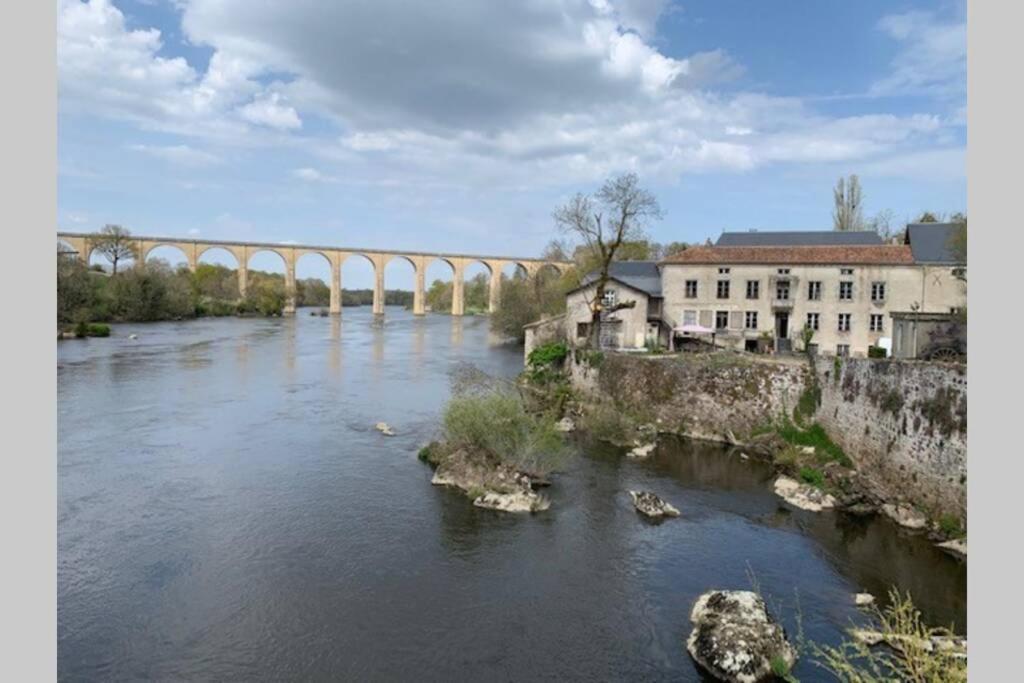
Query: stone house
[757, 289]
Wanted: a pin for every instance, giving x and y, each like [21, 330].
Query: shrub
[950, 526]
[84, 329]
[876, 352]
[607, 422]
[808, 402]
[497, 423]
[910, 654]
[550, 354]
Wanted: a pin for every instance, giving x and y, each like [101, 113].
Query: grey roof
[929, 242]
[798, 238]
[640, 275]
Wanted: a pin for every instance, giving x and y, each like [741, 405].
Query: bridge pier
[495, 291]
[335, 286]
[378, 284]
[459, 289]
[289, 285]
[419, 289]
[243, 278]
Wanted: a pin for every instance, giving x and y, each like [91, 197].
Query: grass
[496, 422]
[909, 656]
[949, 525]
[814, 435]
[812, 476]
[781, 670]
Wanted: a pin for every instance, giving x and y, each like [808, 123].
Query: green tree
[927, 217]
[115, 243]
[76, 294]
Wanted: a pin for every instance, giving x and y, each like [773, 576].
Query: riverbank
[863, 435]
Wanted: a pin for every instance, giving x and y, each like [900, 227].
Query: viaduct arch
[193, 249]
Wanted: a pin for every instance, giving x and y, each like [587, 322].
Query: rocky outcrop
[652, 506]
[956, 547]
[736, 640]
[641, 450]
[524, 500]
[905, 516]
[490, 483]
[803, 496]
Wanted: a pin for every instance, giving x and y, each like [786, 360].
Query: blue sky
[459, 126]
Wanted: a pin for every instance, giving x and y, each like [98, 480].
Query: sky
[460, 125]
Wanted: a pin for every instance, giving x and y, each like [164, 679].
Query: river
[226, 511]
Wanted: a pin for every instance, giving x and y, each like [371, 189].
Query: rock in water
[863, 599]
[517, 501]
[957, 547]
[565, 425]
[905, 516]
[803, 496]
[734, 639]
[384, 429]
[641, 450]
[133, 336]
[652, 506]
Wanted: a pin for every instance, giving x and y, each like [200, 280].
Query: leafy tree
[76, 294]
[673, 248]
[927, 217]
[115, 243]
[617, 213]
[848, 214]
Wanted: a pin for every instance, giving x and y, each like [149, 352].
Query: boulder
[803, 496]
[651, 505]
[641, 450]
[565, 425]
[905, 516]
[133, 336]
[735, 639]
[957, 547]
[384, 429]
[516, 501]
[766, 445]
[863, 599]
[807, 450]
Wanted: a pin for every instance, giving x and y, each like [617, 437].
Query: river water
[228, 512]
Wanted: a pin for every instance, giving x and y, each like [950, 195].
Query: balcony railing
[782, 303]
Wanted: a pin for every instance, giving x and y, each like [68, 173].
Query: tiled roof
[642, 276]
[798, 238]
[882, 254]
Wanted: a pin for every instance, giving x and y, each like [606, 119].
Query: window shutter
[705, 319]
[736, 320]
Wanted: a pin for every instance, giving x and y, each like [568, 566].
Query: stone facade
[929, 288]
[905, 424]
[626, 328]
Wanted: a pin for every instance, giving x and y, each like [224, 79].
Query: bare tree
[617, 213]
[115, 243]
[848, 214]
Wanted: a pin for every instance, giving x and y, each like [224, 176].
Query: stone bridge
[193, 249]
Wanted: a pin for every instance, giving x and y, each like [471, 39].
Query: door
[782, 341]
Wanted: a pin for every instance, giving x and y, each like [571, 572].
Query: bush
[876, 352]
[950, 526]
[496, 422]
[607, 422]
[84, 329]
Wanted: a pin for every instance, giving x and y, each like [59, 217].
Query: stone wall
[721, 397]
[904, 423]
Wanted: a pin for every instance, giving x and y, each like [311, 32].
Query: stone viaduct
[193, 249]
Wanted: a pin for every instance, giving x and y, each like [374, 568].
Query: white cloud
[268, 110]
[194, 231]
[178, 154]
[553, 93]
[932, 59]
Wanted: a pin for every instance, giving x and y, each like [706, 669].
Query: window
[753, 289]
[846, 271]
[813, 320]
[783, 271]
[723, 289]
[782, 290]
[842, 349]
[610, 297]
[582, 330]
[878, 291]
[814, 290]
[750, 320]
[846, 291]
[691, 289]
[689, 317]
[959, 273]
[723, 271]
[844, 322]
[876, 322]
[721, 320]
